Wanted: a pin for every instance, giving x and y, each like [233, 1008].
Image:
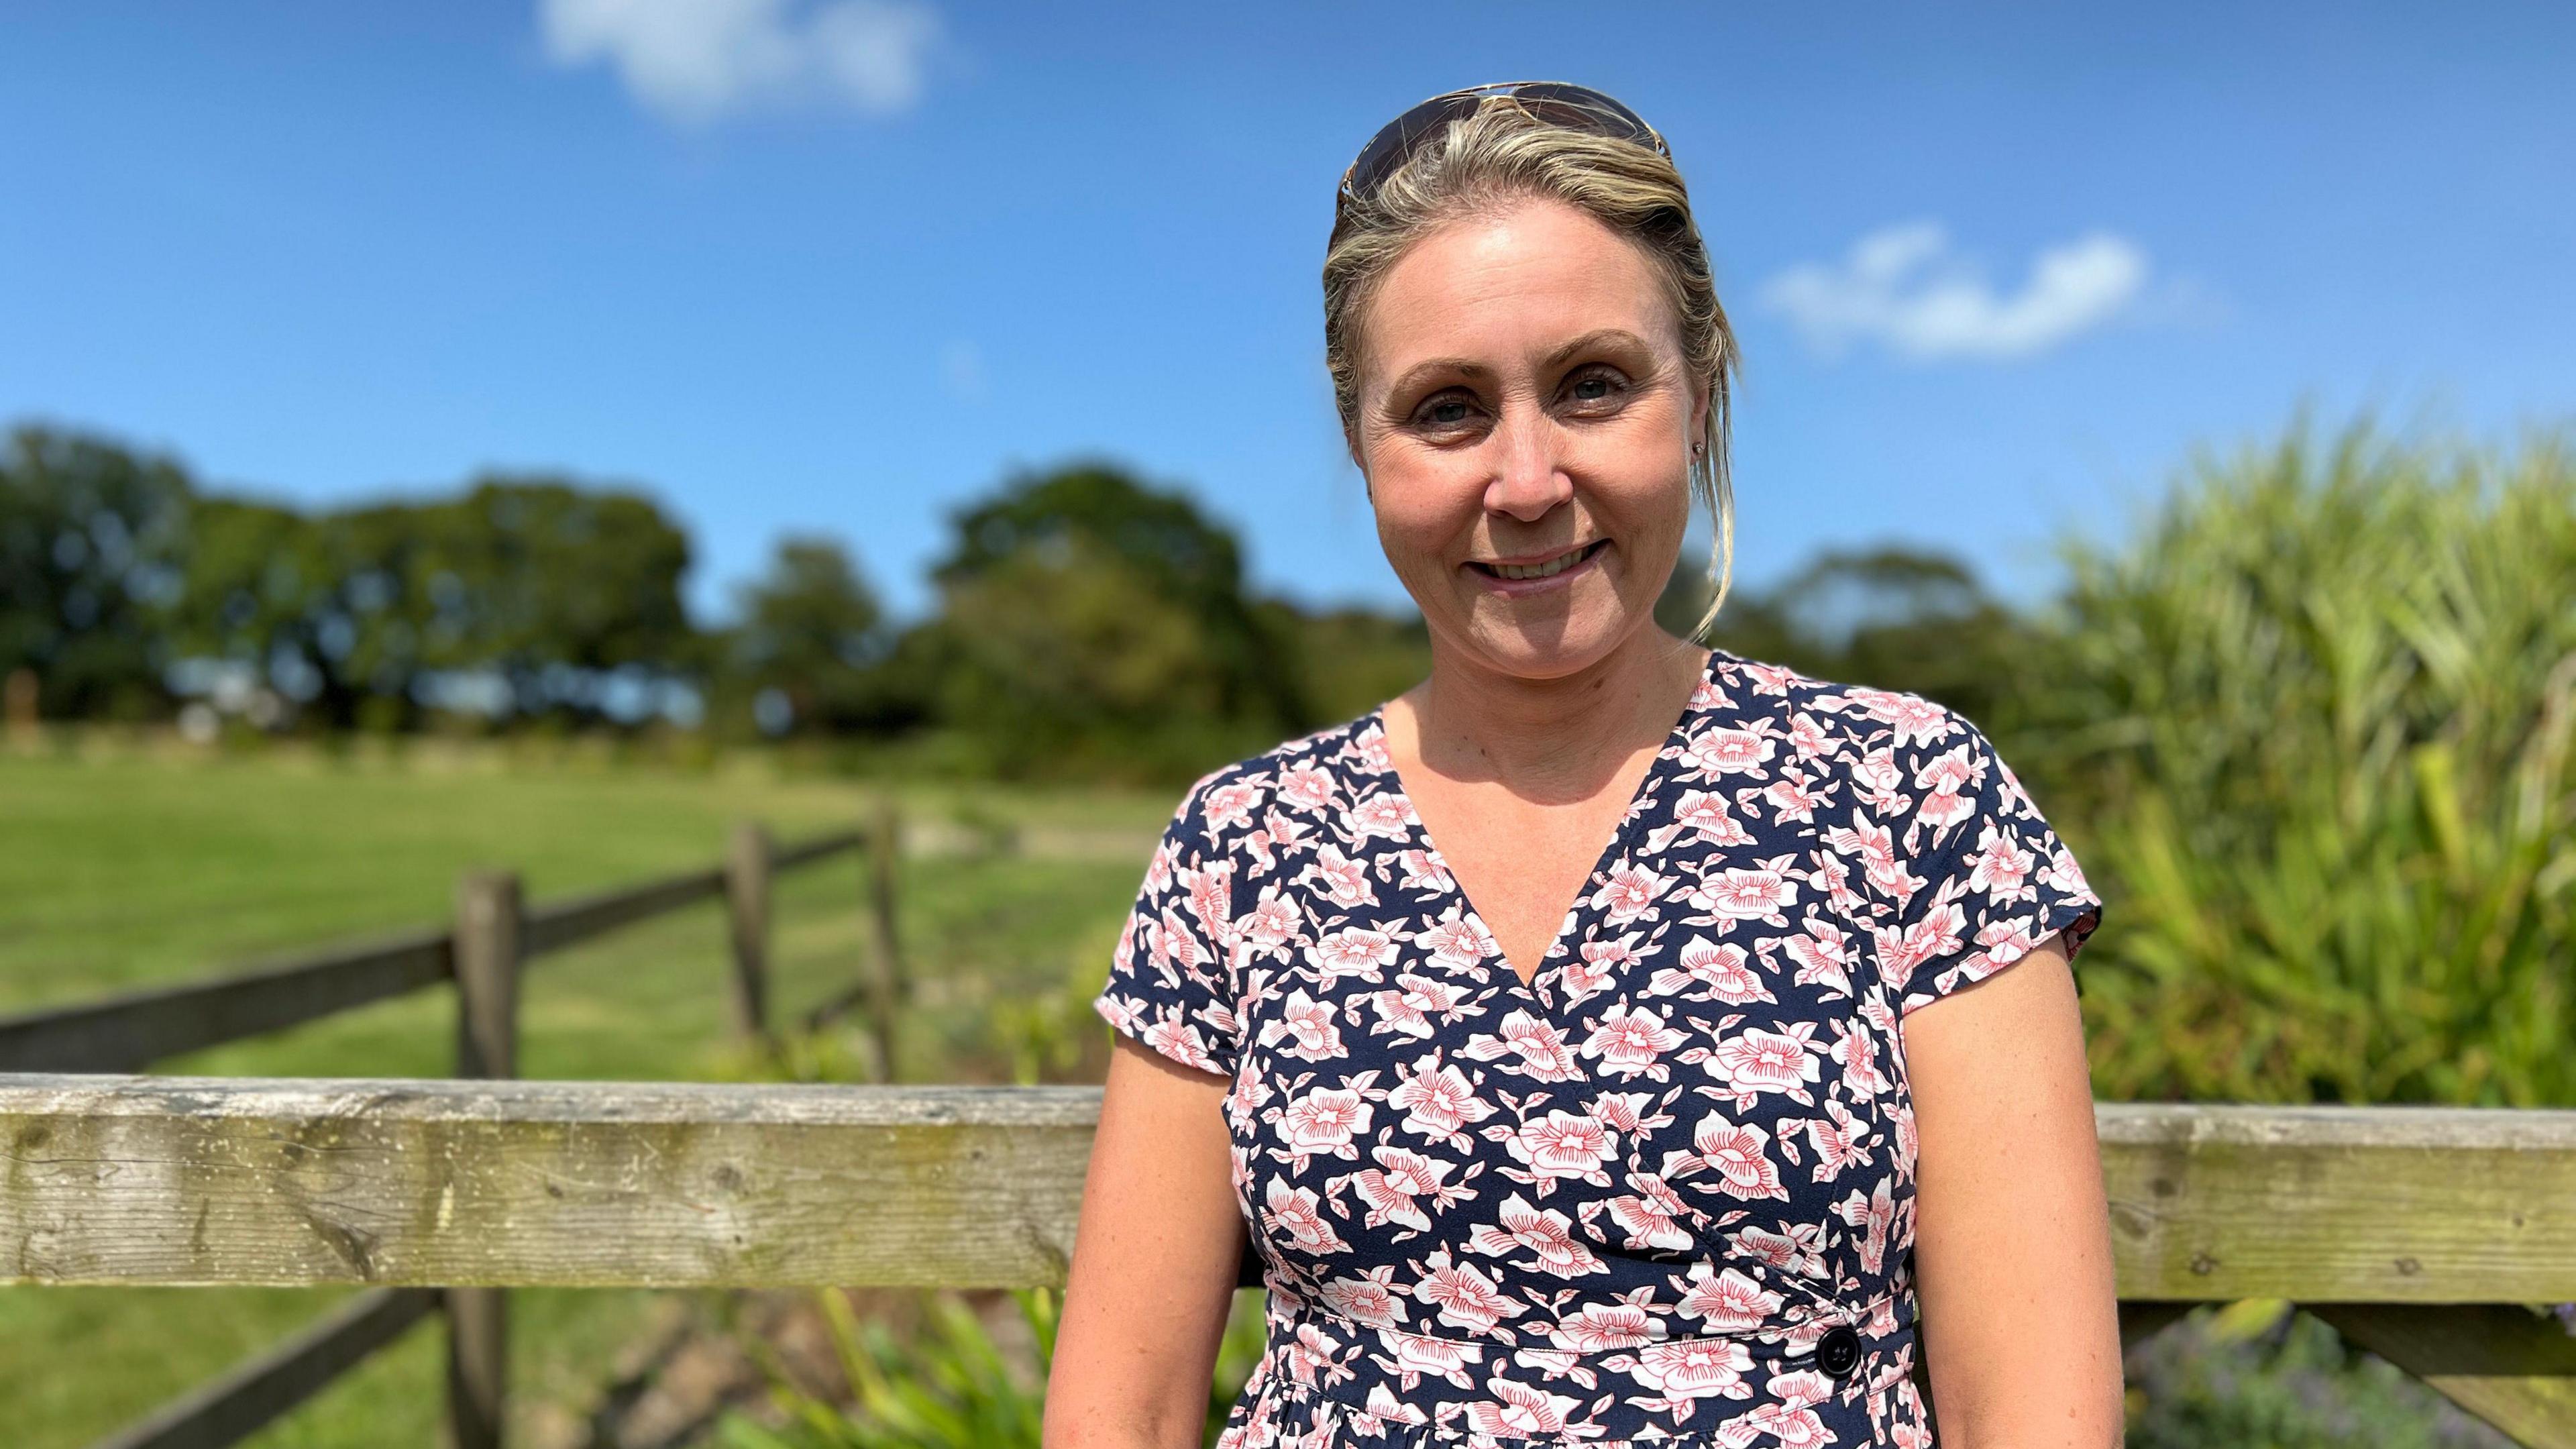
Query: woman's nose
[1526, 482]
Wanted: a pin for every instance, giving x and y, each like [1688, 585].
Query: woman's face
[1525, 419]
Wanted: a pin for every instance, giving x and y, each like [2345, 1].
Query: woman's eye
[1447, 411]
[1592, 391]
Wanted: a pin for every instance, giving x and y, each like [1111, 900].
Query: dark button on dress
[1661, 1193]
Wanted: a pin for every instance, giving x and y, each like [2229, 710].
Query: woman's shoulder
[1858, 720]
[1329, 766]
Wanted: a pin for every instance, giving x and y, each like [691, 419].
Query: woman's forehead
[1516, 283]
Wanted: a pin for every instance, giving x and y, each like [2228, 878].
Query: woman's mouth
[1540, 571]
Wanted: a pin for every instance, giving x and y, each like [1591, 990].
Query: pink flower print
[1741, 1156]
[1383, 817]
[1875, 844]
[1630, 1040]
[1855, 1050]
[1875, 1215]
[1211, 899]
[1292, 1213]
[1518, 1411]
[1229, 805]
[1839, 1139]
[1792, 797]
[1600, 1327]
[1653, 1216]
[1307, 1026]
[1307, 787]
[1352, 951]
[1270, 925]
[1901, 953]
[1384, 1407]
[1545, 1232]
[1400, 1013]
[1878, 781]
[1807, 737]
[1694, 1368]
[1943, 777]
[2063, 873]
[1417, 1355]
[1457, 940]
[1324, 1120]
[1801, 1388]
[2002, 865]
[1832, 879]
[1176, 1038]
[1369, 1301]
[1726, 751]
[1627, 1112]
[1465, 1297]
[1424, 872]
[1769, 679]
[1285, 831]
[1913, 717]
[1793, 1428]
[1702, 814]
[1437, 1100]
[1785, 1252]
[1307, 1353]
[1823, 955]
[1721, 970]
[1596, 964]
[1338, 878]
[1728, 1301]
[1368, 751]
[1755, 1061]
[1394, 1187]
[1540, 1046]
[1562, 1144]
[1627, 892]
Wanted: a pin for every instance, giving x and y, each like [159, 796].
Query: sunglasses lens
[1558, 103]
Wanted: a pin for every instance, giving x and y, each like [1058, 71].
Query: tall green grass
[2310, 729]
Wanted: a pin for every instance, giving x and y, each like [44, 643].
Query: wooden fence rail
[483, 954]
[2421, 1231]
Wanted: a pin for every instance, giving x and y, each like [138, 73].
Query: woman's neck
[1547, 740]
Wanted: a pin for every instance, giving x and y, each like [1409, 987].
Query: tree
[812, 631]
[90, 537]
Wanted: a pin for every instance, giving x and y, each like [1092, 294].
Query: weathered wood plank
[176, 1180]
[2508, 1366]
[167, 1180]
[2353, 1204]
[255, 1393]
[131, 1031]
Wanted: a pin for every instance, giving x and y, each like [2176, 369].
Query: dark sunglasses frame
[1560, 103]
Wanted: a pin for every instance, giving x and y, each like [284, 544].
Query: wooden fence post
[488, 915]
[747, 870]
[887, 986]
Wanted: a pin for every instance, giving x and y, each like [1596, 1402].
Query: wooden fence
[493, 938]
[2420, 1233]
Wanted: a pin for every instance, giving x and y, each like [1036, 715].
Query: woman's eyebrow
[1605, 337]
[1460, 366]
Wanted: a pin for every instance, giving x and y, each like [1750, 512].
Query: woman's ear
[1351, 446]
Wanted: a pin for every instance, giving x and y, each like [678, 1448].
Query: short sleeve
[1994, 882]
[1170, 984]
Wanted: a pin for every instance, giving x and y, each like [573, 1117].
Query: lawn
[126, 865]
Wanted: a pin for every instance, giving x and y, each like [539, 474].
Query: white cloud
[694, 60]
[1904, 288]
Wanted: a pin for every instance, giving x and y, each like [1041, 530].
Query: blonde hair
[1501, 154]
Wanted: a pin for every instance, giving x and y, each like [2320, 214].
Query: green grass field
[127, 865]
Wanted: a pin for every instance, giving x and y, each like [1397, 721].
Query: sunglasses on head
[1559, 103]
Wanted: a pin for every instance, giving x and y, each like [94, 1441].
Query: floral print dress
[1662, 1193]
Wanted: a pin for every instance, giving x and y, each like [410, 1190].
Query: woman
[1700, 1136]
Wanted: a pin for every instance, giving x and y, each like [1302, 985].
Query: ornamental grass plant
[2309, 729]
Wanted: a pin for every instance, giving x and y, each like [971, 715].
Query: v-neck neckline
[1418, 835]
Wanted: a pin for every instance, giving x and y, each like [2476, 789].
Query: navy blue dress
[1663, 1192]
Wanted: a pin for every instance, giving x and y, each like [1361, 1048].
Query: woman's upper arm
[2012, 1241]
[1154, 1260]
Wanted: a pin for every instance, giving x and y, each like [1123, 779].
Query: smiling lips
[1545, 569]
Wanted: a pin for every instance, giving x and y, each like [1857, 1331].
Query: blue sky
[840, 266]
